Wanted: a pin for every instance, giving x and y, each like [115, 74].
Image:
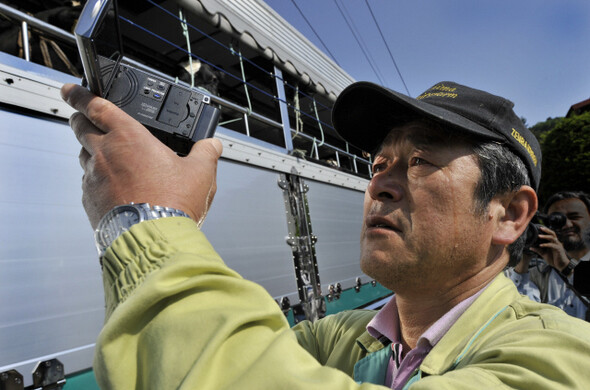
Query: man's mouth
[377, 222]
[567, 232]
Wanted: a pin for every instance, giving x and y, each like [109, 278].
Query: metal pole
[34, 22]
[26, 49]
[284, 110]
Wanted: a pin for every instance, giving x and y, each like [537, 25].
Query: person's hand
[123, 162]
[523, 265]
[551, 249]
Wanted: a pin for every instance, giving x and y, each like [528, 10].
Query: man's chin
[573, 245]
[374, 267]
[387, 273]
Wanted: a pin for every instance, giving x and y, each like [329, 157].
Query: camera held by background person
[554, 221]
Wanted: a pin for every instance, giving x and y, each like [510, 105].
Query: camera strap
[571, 287]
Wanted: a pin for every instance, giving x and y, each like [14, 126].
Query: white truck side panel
[51, 296]
[336, 217]
[247, 226]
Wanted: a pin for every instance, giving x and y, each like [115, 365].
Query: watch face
[116, 222]
[128, 217]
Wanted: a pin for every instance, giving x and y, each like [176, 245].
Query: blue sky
[533, 52]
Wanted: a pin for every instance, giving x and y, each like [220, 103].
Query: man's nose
[387, 185]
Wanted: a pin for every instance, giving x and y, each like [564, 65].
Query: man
[563, 250]
[453, 189]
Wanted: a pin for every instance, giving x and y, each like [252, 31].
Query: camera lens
[556, 221]
[532, 235]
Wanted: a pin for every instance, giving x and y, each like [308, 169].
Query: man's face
[577, 221]
[419, 221]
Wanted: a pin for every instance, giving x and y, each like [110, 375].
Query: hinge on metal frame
[334, 292]
[47, 375]
[302, 241]
[358, 284]
[11, 380]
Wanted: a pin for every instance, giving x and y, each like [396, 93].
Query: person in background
[563, 251]
[453, 189]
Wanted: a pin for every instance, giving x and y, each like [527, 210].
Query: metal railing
[26, 21]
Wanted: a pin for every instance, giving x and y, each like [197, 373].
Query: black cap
[364, 113]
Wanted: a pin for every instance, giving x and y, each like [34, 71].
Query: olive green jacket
[178, 318]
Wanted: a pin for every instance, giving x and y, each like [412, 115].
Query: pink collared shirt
[386, 323]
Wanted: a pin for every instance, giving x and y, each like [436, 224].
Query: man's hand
[123, 162]
[552, 250]
[523, 265]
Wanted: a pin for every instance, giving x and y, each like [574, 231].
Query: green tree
[542, 127]
[566, 156]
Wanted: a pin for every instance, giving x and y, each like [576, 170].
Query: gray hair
[502, 172]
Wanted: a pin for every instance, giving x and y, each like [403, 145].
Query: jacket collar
[456, 342]
[369, 344]
[497, 295]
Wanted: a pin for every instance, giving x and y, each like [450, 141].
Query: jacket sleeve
[335, 341]
[178, 318]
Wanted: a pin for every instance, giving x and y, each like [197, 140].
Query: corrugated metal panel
[247, 227]
[336, 217]
[51, 298]
[258, 24]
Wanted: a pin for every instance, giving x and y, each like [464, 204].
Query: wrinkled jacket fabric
[178, 318]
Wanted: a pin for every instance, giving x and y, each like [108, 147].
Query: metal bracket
[358, 285]
[11, 380]
[302, 242]
[47, 375]
[334, 292]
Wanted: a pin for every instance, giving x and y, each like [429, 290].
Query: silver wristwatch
[121, 218]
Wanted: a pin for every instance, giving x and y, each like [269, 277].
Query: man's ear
[519, 208]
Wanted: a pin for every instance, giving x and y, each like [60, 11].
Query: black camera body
[553, 221]
[177, 115]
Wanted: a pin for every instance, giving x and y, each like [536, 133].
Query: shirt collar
[443, 324]
[386, 322]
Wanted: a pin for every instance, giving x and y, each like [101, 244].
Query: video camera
[553, 221]
[177, 115]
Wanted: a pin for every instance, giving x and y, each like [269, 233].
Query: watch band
[569, 267]
[163, 212]
[121, 218]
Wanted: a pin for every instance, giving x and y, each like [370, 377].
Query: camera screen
[99, 43]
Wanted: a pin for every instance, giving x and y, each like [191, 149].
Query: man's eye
[414, 161]
[378, 168]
